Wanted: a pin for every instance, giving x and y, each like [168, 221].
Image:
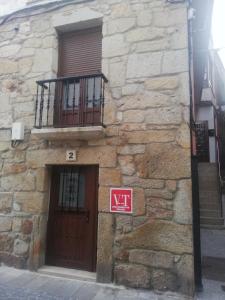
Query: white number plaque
[71, 155]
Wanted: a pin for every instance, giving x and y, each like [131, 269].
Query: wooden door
[202, 141]
[72, 223]
[80, 55]
[78, 102]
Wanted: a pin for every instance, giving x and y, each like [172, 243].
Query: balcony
[70, 107]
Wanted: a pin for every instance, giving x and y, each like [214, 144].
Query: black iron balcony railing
[70, 101]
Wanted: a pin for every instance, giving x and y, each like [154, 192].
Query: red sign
[121, 200]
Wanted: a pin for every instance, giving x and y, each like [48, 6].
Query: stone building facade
[146, 142]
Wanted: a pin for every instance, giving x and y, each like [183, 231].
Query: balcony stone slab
[70, 133]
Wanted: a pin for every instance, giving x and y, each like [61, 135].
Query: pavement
[213, 264]
[213, 254]
[213, 243]
[212, 290]
[26, 285]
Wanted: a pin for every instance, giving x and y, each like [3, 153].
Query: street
[22, 284]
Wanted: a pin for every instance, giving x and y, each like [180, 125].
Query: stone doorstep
[67, 273]
[74, 274]
[77, 133]
[212, 227]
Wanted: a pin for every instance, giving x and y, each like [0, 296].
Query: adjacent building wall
[147, 143]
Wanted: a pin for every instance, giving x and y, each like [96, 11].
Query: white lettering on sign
[121, 200]
[71, 155]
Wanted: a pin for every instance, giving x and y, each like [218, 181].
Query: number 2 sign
[71, 155]
[121, 200]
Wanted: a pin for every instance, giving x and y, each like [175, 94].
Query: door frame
[95, 231]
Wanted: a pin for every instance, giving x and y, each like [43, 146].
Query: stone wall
[147, 143]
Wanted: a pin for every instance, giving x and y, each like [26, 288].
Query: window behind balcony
[80, 55]
[80, 52]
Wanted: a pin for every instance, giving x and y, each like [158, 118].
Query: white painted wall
[205, 113]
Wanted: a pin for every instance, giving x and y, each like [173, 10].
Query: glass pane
[81, 191]
[71, 190]
[71, 94]
[93, 91]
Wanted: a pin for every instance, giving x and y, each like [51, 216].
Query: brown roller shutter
[80, 52]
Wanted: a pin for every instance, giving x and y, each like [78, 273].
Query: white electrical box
[17, 131]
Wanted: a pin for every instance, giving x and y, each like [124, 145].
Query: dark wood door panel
[78, 103]
[72, 224]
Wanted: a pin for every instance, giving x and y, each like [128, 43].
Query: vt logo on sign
[121, 200]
